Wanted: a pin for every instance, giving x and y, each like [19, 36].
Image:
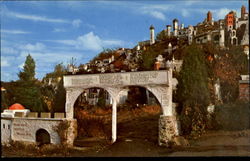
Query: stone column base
[71, 132]
[167, 130]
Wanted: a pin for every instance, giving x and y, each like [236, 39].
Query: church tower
[152, 35]
[209, 17]
[243, 11]
[175, 27]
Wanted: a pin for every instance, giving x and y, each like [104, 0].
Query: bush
[235, 116]
[92, 127]
[61, 129]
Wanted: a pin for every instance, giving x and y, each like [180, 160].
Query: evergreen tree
[28, 91]
[59, 100]
[193, 92]
[28, 73]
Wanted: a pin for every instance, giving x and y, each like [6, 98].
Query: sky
[53, 32]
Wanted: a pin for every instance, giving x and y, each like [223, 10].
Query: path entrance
[159, 83]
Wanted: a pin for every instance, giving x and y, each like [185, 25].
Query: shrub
[234, 116]
[61, 129]
[92, 127]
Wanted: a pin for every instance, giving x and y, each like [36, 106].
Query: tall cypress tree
[193, 92]
[28, 73]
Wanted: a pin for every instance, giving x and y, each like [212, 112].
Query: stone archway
[157, 82]
[42, 137]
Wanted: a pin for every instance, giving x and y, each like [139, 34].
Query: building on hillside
[245, 39]
[230, 20]
[244, 88]
[233, 40]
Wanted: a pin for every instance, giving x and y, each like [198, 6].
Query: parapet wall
[25, 129]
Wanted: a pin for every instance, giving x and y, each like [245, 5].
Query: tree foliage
[26, 90]
[193, 92]
[54, 95]
[228, 67]
[59, 98]
[28, 73]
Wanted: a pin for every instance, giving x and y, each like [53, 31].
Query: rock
[180, 141]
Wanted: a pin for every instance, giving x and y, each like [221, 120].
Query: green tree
[161, 35]
[193, 92]
[54, 96]
[28, 89]
[28, 73]
[59, 100]
[148, 59]
[29, 95]
[101, 99]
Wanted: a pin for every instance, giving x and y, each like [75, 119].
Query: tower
[152, 35]
[222, 36]
[170, 48]
[168, 30]
[230, 20]
[209, 17]
[243, 11]
[190, 34]
[175, 27]
[182, 26]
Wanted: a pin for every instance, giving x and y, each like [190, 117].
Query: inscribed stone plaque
[113, 79]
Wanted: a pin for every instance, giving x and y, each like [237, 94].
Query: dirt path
[138, 138]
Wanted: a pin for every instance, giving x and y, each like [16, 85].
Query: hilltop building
[152, 35]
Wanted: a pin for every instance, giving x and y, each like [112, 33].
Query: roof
[16, 106]
[151, 27]
[175, 20]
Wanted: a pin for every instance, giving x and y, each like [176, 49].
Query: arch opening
[138, 115]
[234, 41]
[136, 96]
[93, 110]
[42, 137]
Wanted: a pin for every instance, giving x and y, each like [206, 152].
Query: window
[4, 126]
[8, 126]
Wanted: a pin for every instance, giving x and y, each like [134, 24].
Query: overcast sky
[55, 31]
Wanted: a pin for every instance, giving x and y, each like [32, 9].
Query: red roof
[16, 106]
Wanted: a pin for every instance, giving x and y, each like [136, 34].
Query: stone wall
[5, 130]
[244, 91]
[24, 129]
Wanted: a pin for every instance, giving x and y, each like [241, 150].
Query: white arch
[159, 83]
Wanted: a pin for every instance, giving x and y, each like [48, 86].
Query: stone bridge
[159, 83]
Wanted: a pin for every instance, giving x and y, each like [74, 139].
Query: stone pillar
[167, 130]
[166, 103]
[71, 132]
[114, 120]
[168, 127]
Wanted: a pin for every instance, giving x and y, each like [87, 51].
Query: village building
[244, 88]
